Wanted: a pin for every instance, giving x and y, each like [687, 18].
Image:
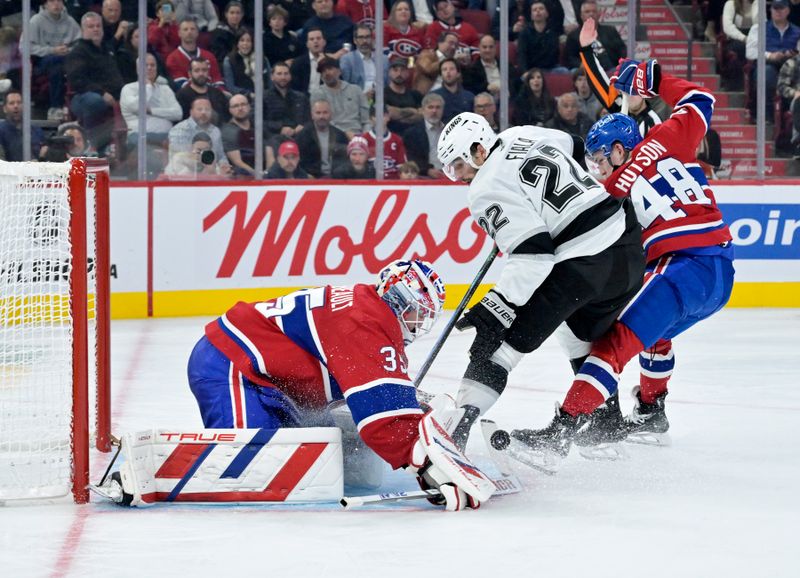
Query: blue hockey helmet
[615, 127]
[414, 292]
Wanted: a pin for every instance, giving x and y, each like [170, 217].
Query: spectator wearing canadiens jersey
[394, 150]
[279, 363]
[689, 262]
[404, 37]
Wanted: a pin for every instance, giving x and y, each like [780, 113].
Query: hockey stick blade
[357, 501]
[504, 485]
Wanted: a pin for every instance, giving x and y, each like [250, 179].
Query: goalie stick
[504, 485]
[456, 314]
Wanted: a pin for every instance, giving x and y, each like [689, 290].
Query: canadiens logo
[405, 47]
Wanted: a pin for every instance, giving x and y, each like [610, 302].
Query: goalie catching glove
[637, 78]
[491, 318]
[439, 464]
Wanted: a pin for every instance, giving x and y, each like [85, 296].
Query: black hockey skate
[599, 438]
[647, 423]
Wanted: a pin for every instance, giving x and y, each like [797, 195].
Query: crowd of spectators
[319, 76]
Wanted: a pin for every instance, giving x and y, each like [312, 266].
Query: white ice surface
[721, 502]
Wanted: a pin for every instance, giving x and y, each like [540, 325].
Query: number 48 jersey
[541, 207]
[669, 190]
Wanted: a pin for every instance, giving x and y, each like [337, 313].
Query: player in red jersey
[689, 254]
[280, 363]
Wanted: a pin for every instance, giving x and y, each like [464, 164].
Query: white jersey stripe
[326, 382]
[602, 365]
[377, 382]
[312, 327]
[655, 374]
[601, 389]
[684, 229]
[251, 348]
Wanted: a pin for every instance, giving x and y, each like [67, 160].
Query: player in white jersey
[574, 251]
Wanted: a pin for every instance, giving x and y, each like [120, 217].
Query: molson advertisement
[197, 248]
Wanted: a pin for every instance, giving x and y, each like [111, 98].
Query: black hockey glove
[491, 318]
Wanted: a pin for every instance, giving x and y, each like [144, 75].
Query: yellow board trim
[131, 305]
[765, 295]
[217, 301]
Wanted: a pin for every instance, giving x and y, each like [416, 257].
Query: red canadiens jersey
[666, 183]
[406, 44]
[394, 153]
[324, 344]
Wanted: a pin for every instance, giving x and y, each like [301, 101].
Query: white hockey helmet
[414, 292]
[458, 137]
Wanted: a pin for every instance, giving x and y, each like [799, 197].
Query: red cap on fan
[288, 148]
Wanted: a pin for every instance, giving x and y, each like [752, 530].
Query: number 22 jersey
[541, 207]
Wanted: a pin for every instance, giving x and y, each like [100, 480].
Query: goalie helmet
[612, 128]
[415, 293]
[457, 138]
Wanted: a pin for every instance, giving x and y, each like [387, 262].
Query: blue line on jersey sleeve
[381, 398]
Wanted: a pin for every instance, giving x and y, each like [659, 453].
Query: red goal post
[54, 321]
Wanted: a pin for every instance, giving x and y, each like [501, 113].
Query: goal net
[53, 326]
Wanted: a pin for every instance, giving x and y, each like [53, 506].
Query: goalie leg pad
[242, 465]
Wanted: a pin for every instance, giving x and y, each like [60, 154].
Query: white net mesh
[36, 330]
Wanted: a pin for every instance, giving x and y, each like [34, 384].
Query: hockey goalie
[265, 375]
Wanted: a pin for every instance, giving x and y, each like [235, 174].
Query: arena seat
[479, 19]
[558, 82]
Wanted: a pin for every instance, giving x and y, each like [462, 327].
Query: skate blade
[650, 439]
[541, 461]
[109, 491]
[609, 452]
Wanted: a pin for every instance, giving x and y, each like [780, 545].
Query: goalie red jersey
[325, 344]
[674, 203]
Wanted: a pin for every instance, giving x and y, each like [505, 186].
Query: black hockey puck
[500, 440]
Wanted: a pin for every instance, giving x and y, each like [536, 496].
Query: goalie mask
[415, 294]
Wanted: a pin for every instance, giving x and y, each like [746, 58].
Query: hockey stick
[507, 484]
[625, 104]
[456, 314]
